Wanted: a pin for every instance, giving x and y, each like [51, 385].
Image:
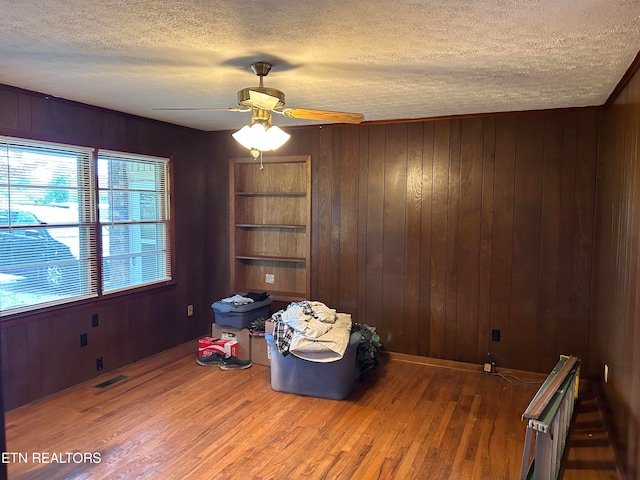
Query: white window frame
[89, 282]
[146, 176]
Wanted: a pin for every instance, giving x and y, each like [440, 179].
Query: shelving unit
[270, 219]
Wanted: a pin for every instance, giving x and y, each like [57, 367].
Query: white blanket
[326, 347]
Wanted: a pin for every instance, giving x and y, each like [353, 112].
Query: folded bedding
[328, 347]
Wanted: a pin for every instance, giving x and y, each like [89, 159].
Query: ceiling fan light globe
[260, 138]
[243, 137]
[276, 137]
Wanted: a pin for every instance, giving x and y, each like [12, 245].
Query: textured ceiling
[385, 59]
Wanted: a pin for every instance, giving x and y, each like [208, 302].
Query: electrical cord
[513, 378]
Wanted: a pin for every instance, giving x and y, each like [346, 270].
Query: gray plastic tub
[333, 380]
[240, 316]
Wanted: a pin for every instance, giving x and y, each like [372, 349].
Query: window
[134, 220]
[62, 215]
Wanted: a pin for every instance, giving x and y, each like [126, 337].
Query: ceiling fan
[262, 101]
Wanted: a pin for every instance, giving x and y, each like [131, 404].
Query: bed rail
[548, 418]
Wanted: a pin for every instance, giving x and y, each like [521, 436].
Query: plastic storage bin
[333, 380]
[240, 316]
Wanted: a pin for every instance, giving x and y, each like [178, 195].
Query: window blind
[47, 228]
[134, 220]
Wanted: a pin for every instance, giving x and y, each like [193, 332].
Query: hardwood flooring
[172, 419]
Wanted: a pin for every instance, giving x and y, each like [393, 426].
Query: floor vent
[110, 382]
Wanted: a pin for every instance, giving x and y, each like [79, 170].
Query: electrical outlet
[99, 364]
[94, 320]
[495, 335]
[83, 340]
[606, 373]
[269, 278]
[189, 310]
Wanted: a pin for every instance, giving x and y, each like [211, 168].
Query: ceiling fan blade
[263, 100]
[323, 115]
[225, 109]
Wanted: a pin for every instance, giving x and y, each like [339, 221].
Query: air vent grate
[110, 382]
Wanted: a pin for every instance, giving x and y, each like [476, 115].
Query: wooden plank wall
[616, 330]
[434, 232]
[41, 353]
[438, 232]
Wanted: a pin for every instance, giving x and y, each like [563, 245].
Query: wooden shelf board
[271, 258]
[271, 194]
[270, 225]
[287, 296]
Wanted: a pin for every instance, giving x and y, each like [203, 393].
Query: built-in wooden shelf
[271, 211]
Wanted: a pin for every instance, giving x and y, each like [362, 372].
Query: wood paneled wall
[439, 232]
[434, 232]
[616, 332]
[41, 353]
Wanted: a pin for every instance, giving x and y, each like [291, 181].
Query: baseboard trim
[600, 399]
[458, 365]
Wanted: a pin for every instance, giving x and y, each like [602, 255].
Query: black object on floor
[212, 360]
[233, 363]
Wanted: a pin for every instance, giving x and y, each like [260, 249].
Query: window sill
[98, 302]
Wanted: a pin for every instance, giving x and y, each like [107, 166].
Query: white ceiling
[385, 59]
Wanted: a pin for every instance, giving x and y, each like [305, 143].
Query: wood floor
[172, 419]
